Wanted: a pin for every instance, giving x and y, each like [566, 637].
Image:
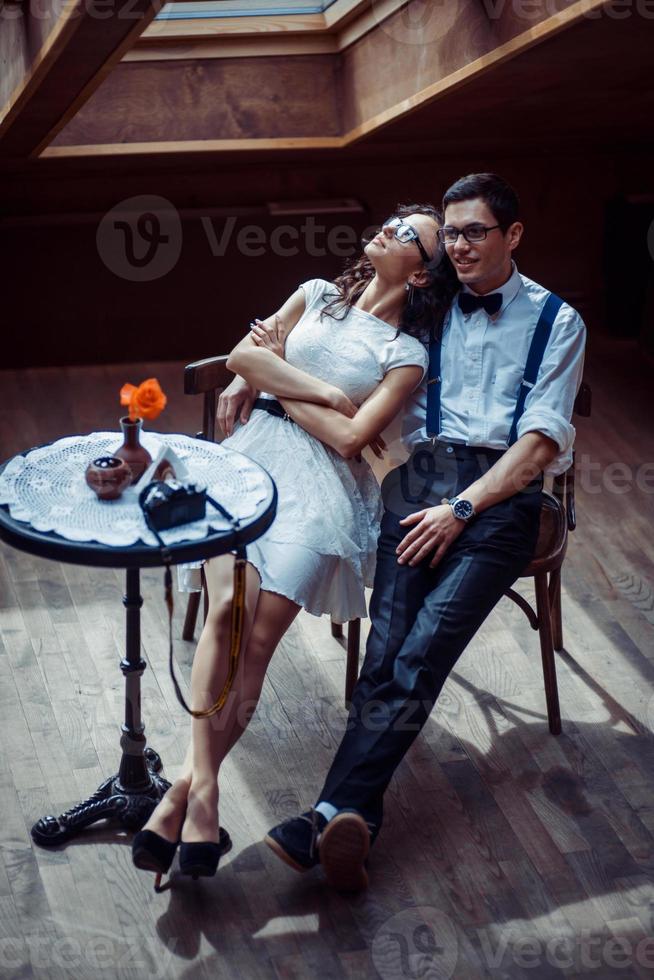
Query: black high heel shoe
[151, 852]
[200, 859]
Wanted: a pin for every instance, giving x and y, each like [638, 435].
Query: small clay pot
[108, 476]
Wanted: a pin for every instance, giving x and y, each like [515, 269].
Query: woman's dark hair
[500, 197]
[424, 313]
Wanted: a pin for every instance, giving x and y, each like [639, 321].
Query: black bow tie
[469, 302]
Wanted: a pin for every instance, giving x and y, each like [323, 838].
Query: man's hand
[237, 399]
[268, 335]
[435, 528]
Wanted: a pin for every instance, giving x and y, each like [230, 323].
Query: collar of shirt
[509, 291]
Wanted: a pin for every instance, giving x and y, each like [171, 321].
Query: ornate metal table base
[129, 808]
[130, 796]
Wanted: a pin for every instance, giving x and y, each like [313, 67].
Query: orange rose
[146, 401]
[126, 395]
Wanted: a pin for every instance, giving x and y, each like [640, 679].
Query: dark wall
[69, 288]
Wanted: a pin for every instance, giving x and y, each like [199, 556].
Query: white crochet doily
[47, 488]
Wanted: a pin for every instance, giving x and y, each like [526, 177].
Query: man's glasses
[449, 235]
[406, 233]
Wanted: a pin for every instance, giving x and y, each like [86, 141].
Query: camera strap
[237, 618]
[236, 636]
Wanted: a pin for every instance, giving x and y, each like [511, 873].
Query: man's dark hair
[500, 197]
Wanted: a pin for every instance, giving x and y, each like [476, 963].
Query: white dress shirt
[482, 363]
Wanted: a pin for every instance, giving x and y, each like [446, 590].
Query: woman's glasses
[449, 235]
[406, 233]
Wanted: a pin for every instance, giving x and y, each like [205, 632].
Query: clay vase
[108, 476]
[135, 455]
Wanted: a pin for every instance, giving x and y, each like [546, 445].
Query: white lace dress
[320, 549]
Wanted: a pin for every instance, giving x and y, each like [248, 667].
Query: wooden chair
[557, 519]
[208, 378]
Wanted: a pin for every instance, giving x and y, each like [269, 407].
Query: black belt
[273, 407]
[460, 450]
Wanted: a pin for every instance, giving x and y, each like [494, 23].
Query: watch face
[463, 509]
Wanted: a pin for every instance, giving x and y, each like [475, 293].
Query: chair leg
[352, 666]
[544, 611]
[191, 615]
[337, 630]
[555, 603]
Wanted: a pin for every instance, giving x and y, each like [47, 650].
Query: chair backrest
[583, 401]
[564, 484]
[208, 377]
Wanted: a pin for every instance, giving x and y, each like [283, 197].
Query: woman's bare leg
[214, 737]
[211, 652]
[267, 617]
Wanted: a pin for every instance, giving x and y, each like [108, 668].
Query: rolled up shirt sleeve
[549, 404]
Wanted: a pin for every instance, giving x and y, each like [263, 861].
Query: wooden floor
[505, 853]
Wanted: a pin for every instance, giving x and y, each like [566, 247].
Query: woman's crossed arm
[348, 436]
[266, 369]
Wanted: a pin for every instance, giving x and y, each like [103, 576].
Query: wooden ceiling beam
[83, 45]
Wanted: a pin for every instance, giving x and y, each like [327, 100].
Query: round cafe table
[45, 483]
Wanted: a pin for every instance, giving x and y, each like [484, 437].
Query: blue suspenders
[434, 387]
[534, 359]
[542, 333]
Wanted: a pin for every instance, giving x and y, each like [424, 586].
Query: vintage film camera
[170, 503]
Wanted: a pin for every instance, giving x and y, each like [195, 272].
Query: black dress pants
[422, 619]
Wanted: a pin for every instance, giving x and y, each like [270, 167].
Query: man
[461, 516]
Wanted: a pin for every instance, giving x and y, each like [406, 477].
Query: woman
[341, 359]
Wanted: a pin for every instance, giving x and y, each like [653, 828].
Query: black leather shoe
[343, 848]
[200, 859]
[295, 840]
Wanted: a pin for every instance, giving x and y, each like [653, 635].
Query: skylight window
[209, 9]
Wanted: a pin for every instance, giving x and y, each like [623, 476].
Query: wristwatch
[461, 508]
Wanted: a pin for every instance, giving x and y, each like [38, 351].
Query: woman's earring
[409, 289]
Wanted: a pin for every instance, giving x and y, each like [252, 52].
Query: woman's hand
[268, 335]
[340, 402]
[378, 447]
